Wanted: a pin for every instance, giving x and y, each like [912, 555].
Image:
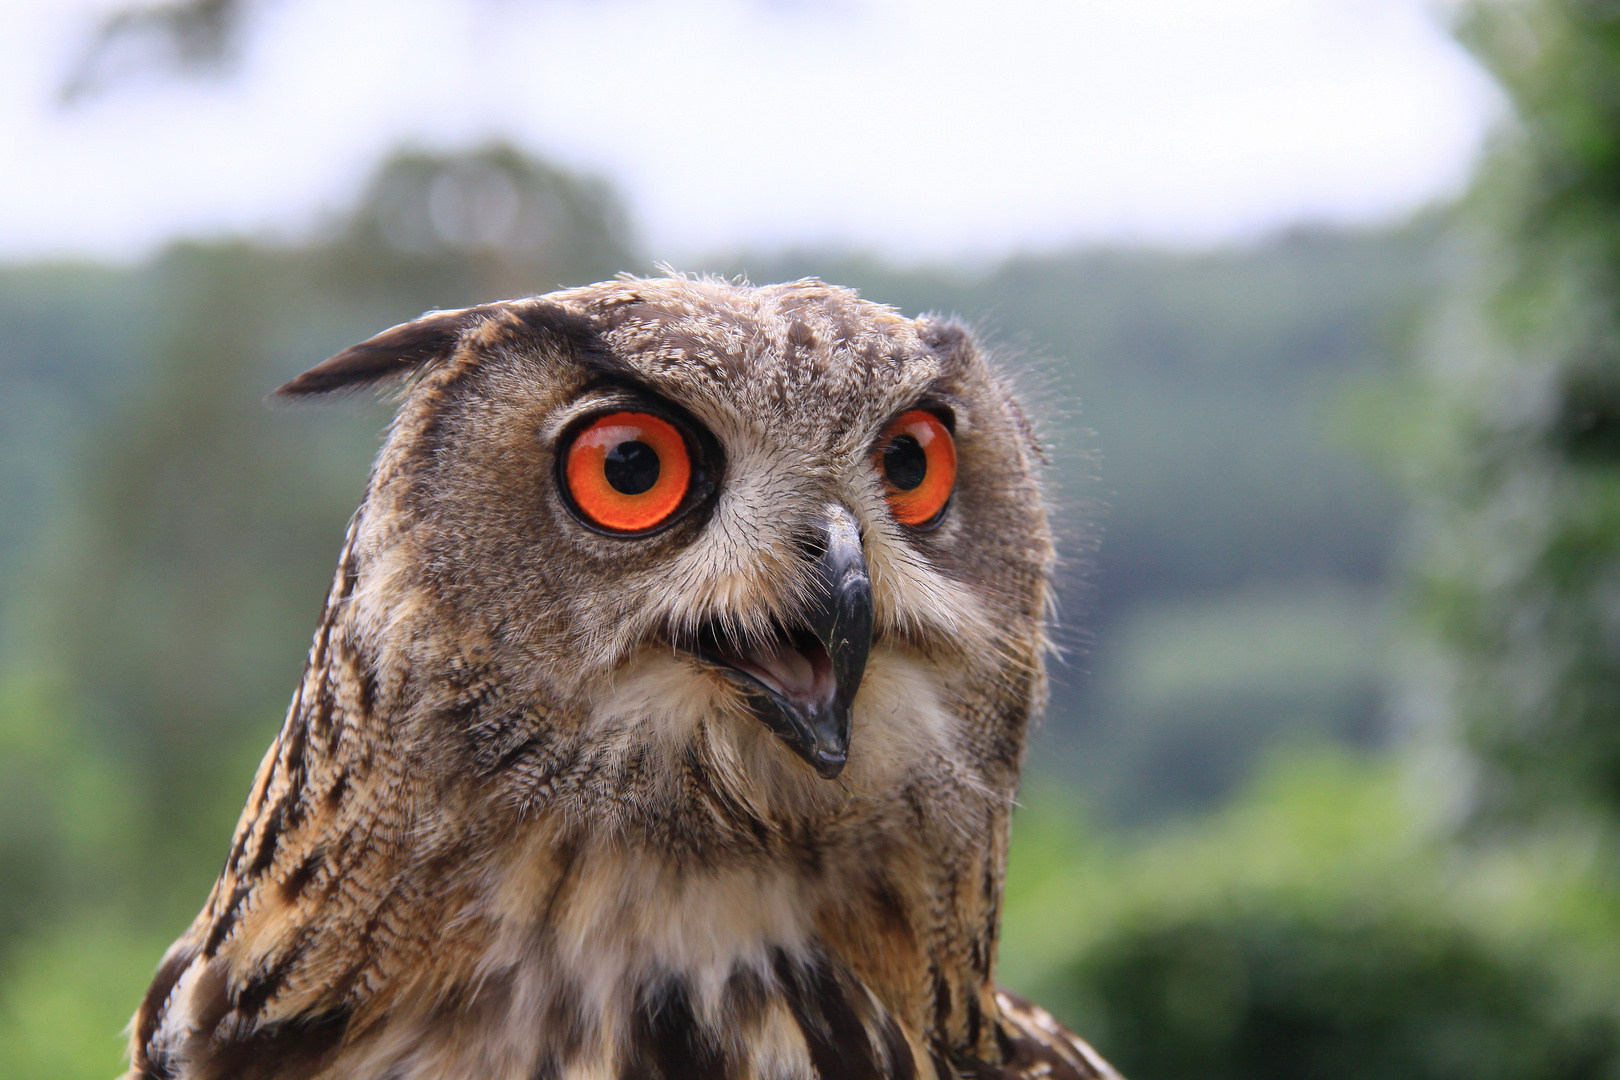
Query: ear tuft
[945, 336]
[392, 354]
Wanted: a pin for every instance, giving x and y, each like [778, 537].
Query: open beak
[803, 683]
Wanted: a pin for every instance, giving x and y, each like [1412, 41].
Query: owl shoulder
[1035, 1045]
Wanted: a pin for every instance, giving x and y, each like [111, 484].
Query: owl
[663, 720]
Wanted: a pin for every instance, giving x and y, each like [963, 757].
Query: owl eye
[917, 459]
[628, 472]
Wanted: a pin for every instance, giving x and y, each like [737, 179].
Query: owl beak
[841, 621]
[803, 686]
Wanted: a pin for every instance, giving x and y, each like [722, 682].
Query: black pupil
[904, 462]
[631, 467]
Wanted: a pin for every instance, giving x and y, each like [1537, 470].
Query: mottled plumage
[530, 818]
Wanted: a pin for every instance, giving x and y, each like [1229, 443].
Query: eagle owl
[663, 720]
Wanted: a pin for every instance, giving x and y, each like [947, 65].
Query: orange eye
[917, 458]
[628, 472]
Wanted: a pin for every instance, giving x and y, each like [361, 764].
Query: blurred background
[1318, 302]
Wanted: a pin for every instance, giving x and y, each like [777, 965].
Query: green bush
[1321, 927]
[1351, 996]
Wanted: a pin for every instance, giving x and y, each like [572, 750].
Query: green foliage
[68, 995]
[1281, 995]
[1315, 929]
[1518, 462]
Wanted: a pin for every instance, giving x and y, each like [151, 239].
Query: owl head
[778, 530]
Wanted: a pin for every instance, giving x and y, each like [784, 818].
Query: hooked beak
[803, 685]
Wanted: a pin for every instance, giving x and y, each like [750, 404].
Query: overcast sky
[911, 128]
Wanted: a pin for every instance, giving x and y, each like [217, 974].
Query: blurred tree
[192, 37]
[493, 223]
[1519, 446]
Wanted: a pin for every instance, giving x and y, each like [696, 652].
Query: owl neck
[718, 875]
[861, 960]
[635, 881]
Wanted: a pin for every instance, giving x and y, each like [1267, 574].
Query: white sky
[911, 128]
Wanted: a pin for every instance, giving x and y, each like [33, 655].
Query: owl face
[688, 510]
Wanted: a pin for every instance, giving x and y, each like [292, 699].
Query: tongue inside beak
[793, 684]
[798, 669]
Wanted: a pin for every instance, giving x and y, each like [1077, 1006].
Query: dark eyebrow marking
[586, 346]
[609, 370]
